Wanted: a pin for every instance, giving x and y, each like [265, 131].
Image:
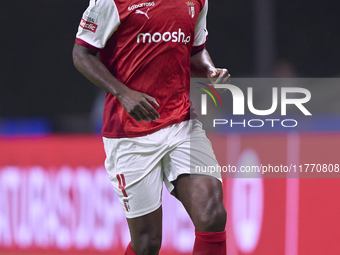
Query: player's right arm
[137, 104]
[99, 22]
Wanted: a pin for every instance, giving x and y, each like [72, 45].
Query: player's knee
[214, 218]
[148, 245]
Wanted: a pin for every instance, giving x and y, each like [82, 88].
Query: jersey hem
[87, 45]
[147, 132]
[196, 49]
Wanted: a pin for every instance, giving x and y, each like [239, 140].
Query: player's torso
[150, 53]
[159, 31]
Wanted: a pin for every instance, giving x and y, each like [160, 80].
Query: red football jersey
[147, 46]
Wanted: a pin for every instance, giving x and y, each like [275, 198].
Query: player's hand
[139, 105]
[219, 76]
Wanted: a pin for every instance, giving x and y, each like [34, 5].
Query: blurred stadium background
[55, 197]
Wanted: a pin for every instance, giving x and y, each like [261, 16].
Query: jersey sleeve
[98, 23]
[201, 32]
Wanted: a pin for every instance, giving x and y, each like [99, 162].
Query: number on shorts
[122, 184]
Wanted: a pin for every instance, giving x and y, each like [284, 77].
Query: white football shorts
[138, 166]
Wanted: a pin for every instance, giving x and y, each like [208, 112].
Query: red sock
[208, 243]
[129, 250]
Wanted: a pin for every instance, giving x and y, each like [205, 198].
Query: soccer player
[147, 50]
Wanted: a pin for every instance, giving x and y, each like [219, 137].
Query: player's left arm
[202, 66]
[200, 61]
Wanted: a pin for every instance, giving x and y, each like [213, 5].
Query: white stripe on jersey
[201, 31]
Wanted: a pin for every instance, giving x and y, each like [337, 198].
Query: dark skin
[202, 197]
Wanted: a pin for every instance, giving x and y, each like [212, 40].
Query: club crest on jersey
[191, 7]
[126, 204]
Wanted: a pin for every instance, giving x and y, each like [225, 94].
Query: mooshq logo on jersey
[175, 36]
[239, 105]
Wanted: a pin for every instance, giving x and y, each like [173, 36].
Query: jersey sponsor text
[165, 37]
[88, 25]
[147, 4]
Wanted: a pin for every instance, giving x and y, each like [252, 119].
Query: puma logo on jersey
[144, 13]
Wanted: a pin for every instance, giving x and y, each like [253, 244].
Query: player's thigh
[199, 191]
[191, 152]
[135, 174]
